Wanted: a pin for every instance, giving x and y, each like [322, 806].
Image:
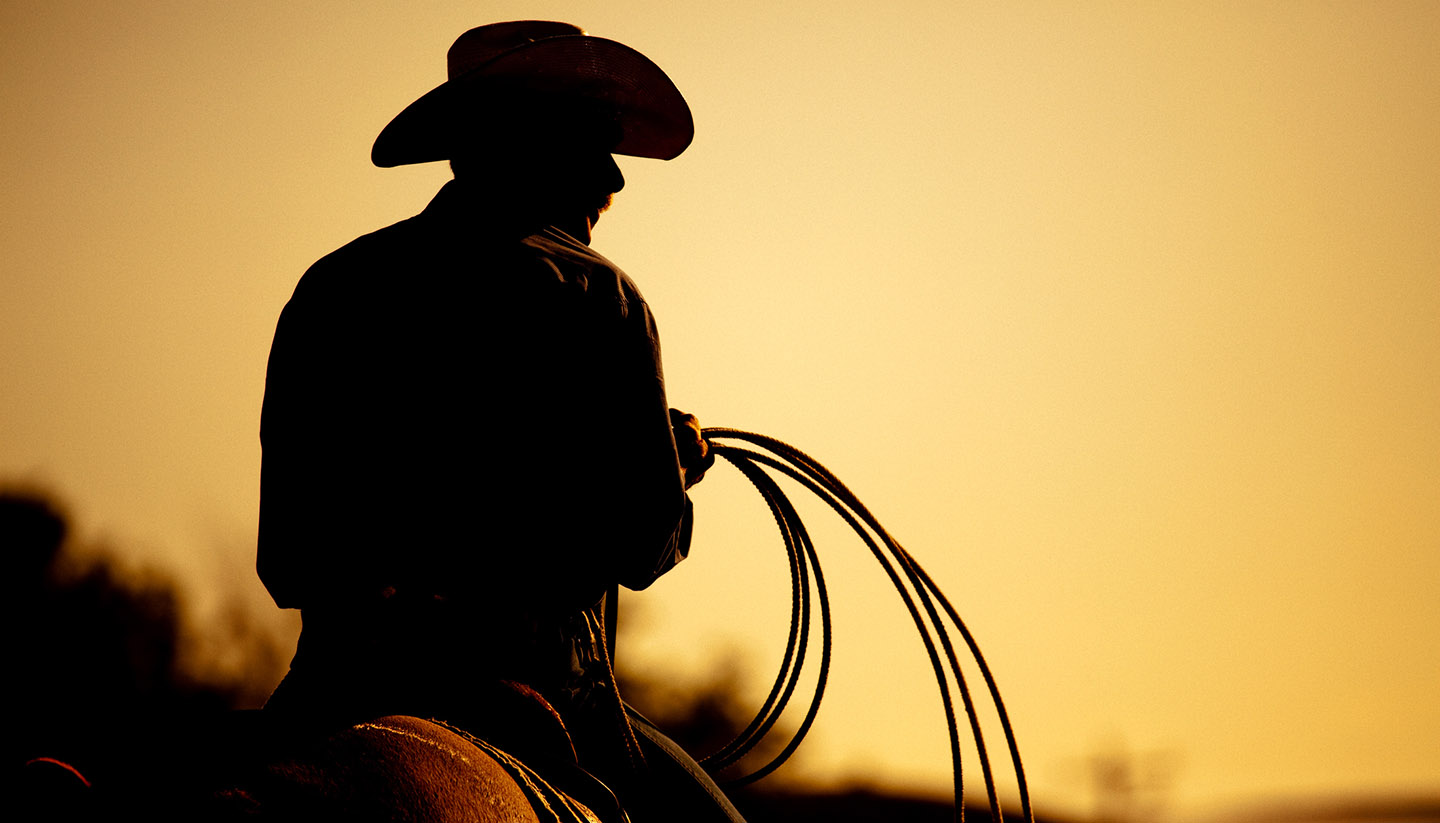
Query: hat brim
[654, 118]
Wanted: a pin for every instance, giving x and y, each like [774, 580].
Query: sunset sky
[1124, 318]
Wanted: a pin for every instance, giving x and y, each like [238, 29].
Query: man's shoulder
[571, 262]
[386, 264]
[428, 254]
[372, 250]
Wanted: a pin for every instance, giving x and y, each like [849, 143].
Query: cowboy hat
[543, 61]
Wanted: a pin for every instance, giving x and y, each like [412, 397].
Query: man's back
[452, 398]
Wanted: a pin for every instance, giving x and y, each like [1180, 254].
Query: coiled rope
[789, 461]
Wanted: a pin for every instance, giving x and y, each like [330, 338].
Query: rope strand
[790, 462]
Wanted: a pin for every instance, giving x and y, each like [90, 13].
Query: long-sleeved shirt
[463, 405]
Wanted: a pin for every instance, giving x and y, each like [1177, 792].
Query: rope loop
[760, 460]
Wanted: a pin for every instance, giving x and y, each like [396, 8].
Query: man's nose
[614, 180]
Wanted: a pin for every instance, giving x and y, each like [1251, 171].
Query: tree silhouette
[97, 662]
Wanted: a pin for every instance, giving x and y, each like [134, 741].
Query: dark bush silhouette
[97, 670]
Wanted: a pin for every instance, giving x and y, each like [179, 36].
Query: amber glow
[1125, 320]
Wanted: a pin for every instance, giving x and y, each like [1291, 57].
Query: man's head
[542, 158]
[539, 68]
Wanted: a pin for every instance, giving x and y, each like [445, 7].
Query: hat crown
[546, 61]
[482, 44]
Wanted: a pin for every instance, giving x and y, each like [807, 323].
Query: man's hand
[695, 456]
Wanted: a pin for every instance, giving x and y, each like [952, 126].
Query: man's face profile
[551, 158]
[573, 156]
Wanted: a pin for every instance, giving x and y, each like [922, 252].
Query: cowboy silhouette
[466, 437]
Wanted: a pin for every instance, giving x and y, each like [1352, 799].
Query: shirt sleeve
[667, 542]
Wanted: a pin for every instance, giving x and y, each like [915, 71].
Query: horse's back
[259, 766]
[393, 768]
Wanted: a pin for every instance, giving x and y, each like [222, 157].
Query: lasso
[776, 456]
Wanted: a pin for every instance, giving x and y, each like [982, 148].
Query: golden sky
[1124, 318]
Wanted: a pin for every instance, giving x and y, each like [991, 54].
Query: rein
[757, 460]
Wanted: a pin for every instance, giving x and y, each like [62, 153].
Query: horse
[392, 768]
[253, 766]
